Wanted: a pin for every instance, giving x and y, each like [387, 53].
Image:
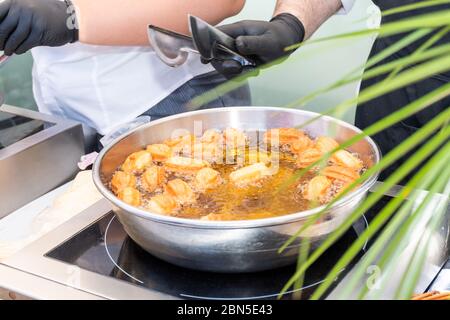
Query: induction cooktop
[105, 248]
[93, 254]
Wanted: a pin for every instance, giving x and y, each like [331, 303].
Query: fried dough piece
[301, 144]
[181, 192]
[162, 204]
[284, 135]
[316, 188]
[182, 144]
[326, 144]
[130, 195]
[152, 178]
[346, 159]
[250, 174]
[308, 157]
[121, 180]
[207, 178]
[160, 152]
[344, 174]
[137, 162]
[185, 165]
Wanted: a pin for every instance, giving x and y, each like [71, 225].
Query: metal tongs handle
[207, 41]
[213, 43]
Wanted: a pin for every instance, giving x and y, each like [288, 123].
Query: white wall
[313, 67]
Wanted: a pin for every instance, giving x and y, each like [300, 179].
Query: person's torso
[104, 86]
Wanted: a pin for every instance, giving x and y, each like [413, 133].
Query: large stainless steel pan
[228, 246]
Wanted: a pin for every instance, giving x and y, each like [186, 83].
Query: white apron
[103, 87]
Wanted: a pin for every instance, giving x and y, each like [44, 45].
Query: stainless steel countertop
[35, 287]
[28, 165]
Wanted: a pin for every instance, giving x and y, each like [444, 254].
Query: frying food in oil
[121, 180]
[283, 136]
[181, 192]
[326, 144]
[308, 157]
[137, 161]
[207, 178]
[159, 152]
[317, 188]
[346, 159]
[225, 175]
[130, 195]
[162, 204]
[185, 165]
[341, 173]
[152, 178]
[250, 174]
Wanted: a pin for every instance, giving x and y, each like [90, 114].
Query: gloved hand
[25, 24]
[261, 41]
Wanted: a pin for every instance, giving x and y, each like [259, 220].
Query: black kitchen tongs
[207, 41]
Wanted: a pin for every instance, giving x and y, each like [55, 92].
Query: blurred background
[309, 69]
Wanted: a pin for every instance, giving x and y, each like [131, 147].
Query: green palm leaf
[401, 217]
[421, 155]
[414, 6]
[422, 180]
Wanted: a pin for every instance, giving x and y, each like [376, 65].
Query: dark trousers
[181, 99]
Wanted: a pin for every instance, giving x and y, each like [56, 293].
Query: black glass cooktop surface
[105, 248]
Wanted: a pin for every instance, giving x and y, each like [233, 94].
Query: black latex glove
[261, 41]
[25, 24]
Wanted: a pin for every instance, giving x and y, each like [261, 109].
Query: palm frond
[416, 264]
[421, 180]
[414, 6]
[400, 174]
[399, 218]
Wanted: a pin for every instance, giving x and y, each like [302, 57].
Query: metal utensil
[229, 246]
[206, 37]
[207, 41]
[172, 48]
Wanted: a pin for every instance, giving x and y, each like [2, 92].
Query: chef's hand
[25, 24]
[261, 41]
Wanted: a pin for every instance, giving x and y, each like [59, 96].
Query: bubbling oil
[270, 197]
[280, 193]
